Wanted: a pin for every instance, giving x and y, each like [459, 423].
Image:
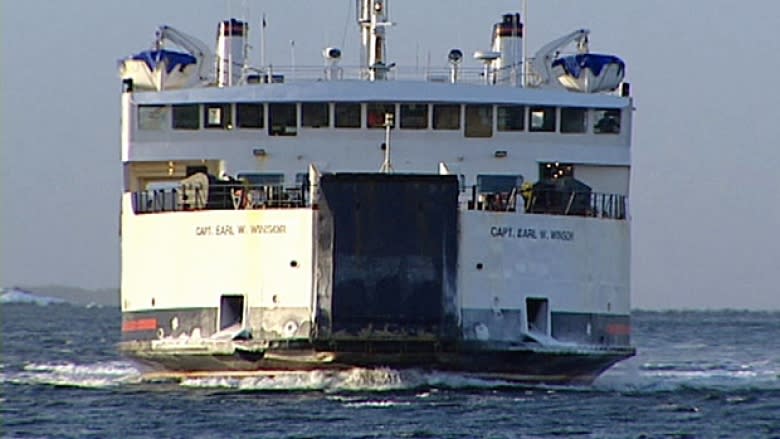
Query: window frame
[225, 115]
[494, 181]
[146, 122]
[479, 132]
[607, 129]
[403, 122]
[435, 123]
[349, 106]
[552, 170]
[507, 127]
[285, 131]
[272, 178]
[258, 124]
[178, 123]
[306, 107]
[379, 121]
[584, 120]
[546, 127]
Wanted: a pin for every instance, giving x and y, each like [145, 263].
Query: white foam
[94, 375]
[357, 379]
[352, 380]
[18, 296]
[376, 404]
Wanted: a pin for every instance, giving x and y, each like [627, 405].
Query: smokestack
[231, 38]
[508, 41]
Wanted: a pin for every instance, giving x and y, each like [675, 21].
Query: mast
[372, 18]
[524, 65]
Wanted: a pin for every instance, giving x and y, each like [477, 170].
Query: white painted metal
[580, 264]
[189, 259]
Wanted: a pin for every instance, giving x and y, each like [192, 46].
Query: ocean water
[698, 374]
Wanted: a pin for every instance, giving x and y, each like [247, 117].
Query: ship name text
[531, 233]
[240, 229]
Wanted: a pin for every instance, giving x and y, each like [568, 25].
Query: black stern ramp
[386, 255]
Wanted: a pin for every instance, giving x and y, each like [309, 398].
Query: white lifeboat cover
[589, 72]
[158, 69]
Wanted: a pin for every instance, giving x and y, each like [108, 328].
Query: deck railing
[241, 196]
[548, 202]
[220, 197]
[507, 76]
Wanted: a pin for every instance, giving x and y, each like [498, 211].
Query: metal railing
[220, 197]
[548, 202]
[242, 196]
[465, 75]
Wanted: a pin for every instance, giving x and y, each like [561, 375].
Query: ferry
[471, 218]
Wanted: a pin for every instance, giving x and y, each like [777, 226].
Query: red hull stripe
[618, 329]
[139, 325]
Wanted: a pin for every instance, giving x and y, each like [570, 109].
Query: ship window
[315, 115]
[375, 114]
[555, 170]
[217, 116]
[541, 119]
[185, 117]
[495, 184]
[479, 120]
[282, 120]
[249, 115]
[573, 120]
[414, 116]
[607, 121]
[510, 117]
[347, 115]
[257, 179]
[446, 117]
[152, 117]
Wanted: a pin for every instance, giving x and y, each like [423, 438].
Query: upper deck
[266, 125]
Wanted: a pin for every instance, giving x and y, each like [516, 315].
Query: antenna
[292, 57]
[524, 71]
[387, 167]
[245, 66]
[263, 25]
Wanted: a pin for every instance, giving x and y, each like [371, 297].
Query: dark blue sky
[705, 189]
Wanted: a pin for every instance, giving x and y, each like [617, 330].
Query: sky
[705, 188]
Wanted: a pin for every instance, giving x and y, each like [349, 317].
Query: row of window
[284, 119]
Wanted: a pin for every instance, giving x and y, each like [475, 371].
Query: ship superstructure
[258, 233]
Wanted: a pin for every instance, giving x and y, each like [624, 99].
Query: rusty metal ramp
[386, 254]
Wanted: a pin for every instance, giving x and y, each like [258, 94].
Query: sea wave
[624, 379]
[672, 376]
[13, 295]
[92, 375]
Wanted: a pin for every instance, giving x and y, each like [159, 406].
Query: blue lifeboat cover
[575, 64]
[172, 59]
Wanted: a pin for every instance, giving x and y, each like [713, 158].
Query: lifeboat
[589, 72]
[159, 69]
